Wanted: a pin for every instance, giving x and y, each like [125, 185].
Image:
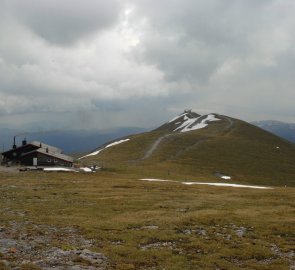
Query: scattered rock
[117, 242]
[28, 243]
[290, 255]
[157, 245]
[147, 227]
[241, 231]
[182, 210]
[186, 231]
[92, 257]
[150, 227]
[201, 232]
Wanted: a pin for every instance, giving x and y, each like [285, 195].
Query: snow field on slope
[205, 183]
[188, 124]
[176, 117]
[107, 146]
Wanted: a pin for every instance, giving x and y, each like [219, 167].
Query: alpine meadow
[147, 135]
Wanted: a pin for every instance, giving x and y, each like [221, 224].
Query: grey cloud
[234, 54]
[65, 22]
[181, 61]
[192, 39]
[233, 57]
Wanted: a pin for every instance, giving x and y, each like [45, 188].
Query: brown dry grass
[144, 225]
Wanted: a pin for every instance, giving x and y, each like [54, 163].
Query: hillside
[282, 129]
[205, 147]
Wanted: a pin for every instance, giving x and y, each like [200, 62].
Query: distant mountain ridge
[70, 141]
[282, 129]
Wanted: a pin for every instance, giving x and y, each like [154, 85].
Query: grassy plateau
[145, 225]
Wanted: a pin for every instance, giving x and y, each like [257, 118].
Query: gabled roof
[37, 144]
[50, 154]
[43, 145]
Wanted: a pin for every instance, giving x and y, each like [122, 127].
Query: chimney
[24, 142]
[47, 150]
[14, 145]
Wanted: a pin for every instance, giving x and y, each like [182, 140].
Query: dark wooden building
[36, 154]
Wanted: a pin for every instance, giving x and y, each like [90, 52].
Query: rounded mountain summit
[202, 147]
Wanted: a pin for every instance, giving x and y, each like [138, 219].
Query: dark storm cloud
[66, 21]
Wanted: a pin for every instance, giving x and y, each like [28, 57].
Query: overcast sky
[100, 64]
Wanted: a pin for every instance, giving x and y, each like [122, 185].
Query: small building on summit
[36, 154]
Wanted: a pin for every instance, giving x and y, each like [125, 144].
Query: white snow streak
[57, 169]
[85, 169]
[188, 124]
[107, 146]
[156, 180]
[204, 183]
[118, 142]
[176, 117]
[91, 154]
[225, 185]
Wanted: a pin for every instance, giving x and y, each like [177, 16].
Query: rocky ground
[31, 246]
[28, 246]
[102, 221]
[6, 169]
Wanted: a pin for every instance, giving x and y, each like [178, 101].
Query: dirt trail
[230, 125]
[156, 144]
[188, 148]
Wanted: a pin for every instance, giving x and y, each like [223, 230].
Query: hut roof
[51, 154]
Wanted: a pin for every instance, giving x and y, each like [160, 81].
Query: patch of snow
[188, 124]
[118, 142]
[59, 169]
[224, 185]
[107, 146]
[176, 117]
[92, 154]
[209, 184]
[156, 180]
[277, 147]
[85, 169]
[225, 177]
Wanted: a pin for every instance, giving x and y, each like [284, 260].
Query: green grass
[196, 226]
[245, 152]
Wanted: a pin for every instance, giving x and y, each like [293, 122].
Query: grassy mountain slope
[284, 130]
[233, 147]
